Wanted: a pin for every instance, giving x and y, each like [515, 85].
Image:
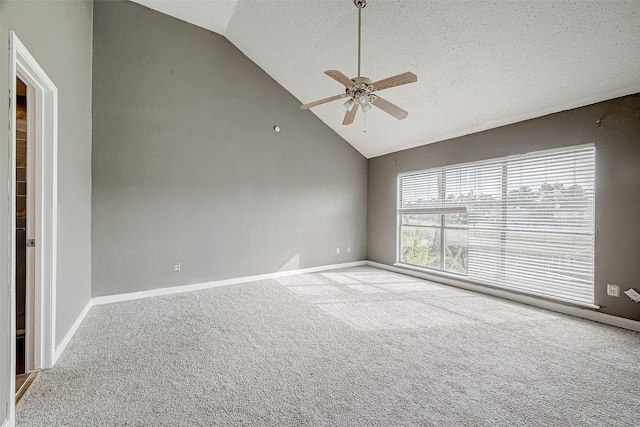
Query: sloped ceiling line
[231, 15]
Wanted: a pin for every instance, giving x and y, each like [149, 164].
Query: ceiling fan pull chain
[364, 123]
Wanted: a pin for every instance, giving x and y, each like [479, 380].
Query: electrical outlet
[349, 250]
[613, 290]
[337, 250]
[176, 267]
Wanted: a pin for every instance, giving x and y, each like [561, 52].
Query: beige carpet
[353, 347]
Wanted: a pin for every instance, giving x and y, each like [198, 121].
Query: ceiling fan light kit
[360, 91]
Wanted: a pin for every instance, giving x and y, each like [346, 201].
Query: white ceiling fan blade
[399, 80]
[390, 108]
[321, 101]
[339, 77]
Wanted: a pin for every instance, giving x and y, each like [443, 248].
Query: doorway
[21, 227]
[30, 299]
[24, 238]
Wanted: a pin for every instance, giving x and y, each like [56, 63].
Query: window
[522, 222]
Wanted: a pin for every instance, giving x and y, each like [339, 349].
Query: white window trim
[464, 277]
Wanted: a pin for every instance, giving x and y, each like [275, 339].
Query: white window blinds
[529, 220]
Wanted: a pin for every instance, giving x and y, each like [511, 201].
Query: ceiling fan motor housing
[361, 87]
[363, 80]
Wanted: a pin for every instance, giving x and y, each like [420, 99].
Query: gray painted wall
[64, 52]
[617, 145]
[187, 167]
[59, 35]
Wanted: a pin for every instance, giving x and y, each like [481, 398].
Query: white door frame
[42, 119]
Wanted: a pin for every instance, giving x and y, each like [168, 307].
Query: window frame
[503, 203]
[442, 227]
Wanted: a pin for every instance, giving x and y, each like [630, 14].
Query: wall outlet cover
[633, 294]
[613, 290]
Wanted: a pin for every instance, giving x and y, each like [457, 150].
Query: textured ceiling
[480, 64]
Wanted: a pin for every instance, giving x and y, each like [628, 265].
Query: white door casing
[42, 122]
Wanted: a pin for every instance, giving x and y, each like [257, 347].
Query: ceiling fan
[361, 90]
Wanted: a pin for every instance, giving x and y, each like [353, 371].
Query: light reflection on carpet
[303, 280]
[379, 315]
[340, 278]
[367, 299]
[372, 300]
[373, 277]
[318, 293]
[367, 289]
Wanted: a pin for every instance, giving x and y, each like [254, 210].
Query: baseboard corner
[71, 332]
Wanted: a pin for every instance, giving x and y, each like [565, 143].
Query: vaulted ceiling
[480, 64]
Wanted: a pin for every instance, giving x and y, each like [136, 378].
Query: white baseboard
[186, 288]
[525, 299]
[217, 283]
[6, 423]
[71, 332]
[584, 313]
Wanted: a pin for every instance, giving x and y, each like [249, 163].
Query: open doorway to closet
[32, 226]
[24, 238]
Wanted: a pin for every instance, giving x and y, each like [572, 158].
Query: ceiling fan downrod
[360, 4]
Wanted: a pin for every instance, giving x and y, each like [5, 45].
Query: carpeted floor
[353, 347]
